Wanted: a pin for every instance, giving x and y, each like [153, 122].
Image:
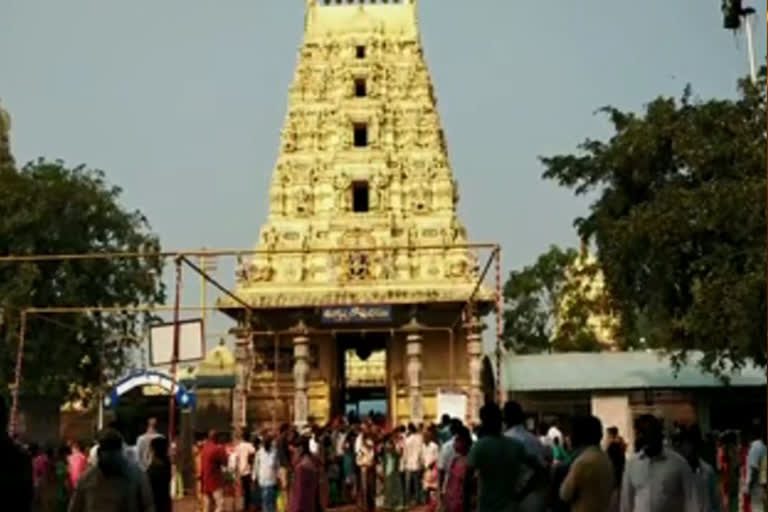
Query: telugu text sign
[356, 314]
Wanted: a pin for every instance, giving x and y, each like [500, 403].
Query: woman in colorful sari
[728, 466]
[305, 490]
[393, 486]
[453, 494]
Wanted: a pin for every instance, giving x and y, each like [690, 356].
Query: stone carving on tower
[362, 199]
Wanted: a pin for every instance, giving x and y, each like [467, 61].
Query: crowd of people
[110, 476]
[497, 466]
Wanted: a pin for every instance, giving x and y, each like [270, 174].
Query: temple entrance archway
[363, 363]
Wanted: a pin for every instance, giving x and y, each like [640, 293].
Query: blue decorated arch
[185, 398]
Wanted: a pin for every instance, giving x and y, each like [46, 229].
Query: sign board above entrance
[356, 314]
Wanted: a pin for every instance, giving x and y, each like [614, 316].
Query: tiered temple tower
[362, 249]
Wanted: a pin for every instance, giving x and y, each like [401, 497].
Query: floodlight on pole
[732, 12]
[734, 16]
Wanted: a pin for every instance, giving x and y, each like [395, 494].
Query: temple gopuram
[364, 292]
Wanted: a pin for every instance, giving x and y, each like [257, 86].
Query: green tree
[680, 222]
[47, 208]
[6, 159]
[544, 307]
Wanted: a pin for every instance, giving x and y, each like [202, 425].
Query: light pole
[208, 266]
[734, 15]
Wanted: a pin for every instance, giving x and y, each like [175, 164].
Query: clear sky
[181, 101]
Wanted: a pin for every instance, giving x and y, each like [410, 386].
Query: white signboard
[452, 403]
[191, 342]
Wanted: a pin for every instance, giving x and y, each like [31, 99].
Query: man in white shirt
[689, 445]
[447, 451]
[314, 442]
[413, 465]
[514, 417]
[129, 452]
[755, 464]
[554, 433]
[244, 454]
[657, 479]
[265, 472]
[536, 499]
[143, 453]
[340, 440]
[430, 450]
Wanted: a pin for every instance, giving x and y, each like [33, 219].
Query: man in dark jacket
[114, 484]
[16, 483]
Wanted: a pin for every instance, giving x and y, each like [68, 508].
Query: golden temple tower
[362, 252]
[586, 285]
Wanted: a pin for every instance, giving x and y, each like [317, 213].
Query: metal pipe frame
[14, 420]
[174, 358]
[181, 257]
[499, 330]
[16, 258]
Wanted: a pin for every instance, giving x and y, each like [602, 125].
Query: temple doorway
[363, 364]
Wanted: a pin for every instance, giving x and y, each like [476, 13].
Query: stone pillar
[413, 354]
[244, 364]
[300, 376]
[475, 356]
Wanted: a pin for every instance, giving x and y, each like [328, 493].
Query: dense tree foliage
[47, 208]
[680, 222]
[6, 159]
[545, 307]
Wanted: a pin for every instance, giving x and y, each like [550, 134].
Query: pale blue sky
[181, 101]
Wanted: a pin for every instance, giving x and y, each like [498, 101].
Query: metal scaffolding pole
[17, 258]
[499, 329]
[13, 429]
[175, 356]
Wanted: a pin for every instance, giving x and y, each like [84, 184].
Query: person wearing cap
[114, 484]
